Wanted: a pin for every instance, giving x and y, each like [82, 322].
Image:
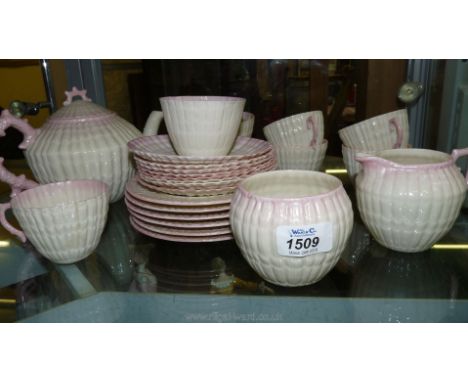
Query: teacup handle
[3, 208]
[312, 126]
[457, 153]
[393, 122]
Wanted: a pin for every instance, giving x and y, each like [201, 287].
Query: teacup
[301, 157]
[291, 225]
[64, 221]
[202, 125]
[385, 131]
[304, 129]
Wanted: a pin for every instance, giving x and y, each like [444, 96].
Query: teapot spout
[29, 133]
[153, 122]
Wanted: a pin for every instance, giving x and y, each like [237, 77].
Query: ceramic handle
[3, 208]
[17, 183]
[29, 133]
[153, 122]
[393, 122]
[75, 92]
[457, 153]
[312, 126]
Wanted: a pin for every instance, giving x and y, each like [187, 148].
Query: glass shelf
[131, 277]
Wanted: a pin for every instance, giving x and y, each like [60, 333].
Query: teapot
[410, 198]
[82, 140]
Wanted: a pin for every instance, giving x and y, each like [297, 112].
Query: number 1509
[304, 243]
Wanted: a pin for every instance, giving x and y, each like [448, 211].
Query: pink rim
[241, 188]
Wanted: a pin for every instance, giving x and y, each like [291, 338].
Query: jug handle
[457, 153]
[17, 183]
[153, 122]
[312, 126]
[399, 133]
[29, 133]
[3, 208]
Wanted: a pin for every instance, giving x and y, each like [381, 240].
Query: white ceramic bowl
[301, 157]
[410, 198]
[202, 125]
[305, 129]
[385, 131]
[291, 225]
[247, 124]
[64, 221]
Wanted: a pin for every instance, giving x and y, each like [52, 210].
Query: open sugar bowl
[291, 225]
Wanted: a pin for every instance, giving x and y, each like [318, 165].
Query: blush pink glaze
[29, 133]
[17, 183]
[75, 92]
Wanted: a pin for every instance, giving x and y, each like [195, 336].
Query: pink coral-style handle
[3, 208]
[393, 122]
[17, 183]
[75, 92]
[457, 153]
[311, 125]
[29, 133]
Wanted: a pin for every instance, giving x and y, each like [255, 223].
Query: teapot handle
[29, 133]
[457, 153]
[17, 183]
[3, 208]
[399, 133]
[311, 125]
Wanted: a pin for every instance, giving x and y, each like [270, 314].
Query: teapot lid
[79, 110]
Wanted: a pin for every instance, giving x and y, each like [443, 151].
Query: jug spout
[29, 133]
[153, 122]
[367, 160]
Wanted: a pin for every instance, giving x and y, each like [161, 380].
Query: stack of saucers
[298, 141]
[181, 194]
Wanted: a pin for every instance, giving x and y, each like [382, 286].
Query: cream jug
[410, 198]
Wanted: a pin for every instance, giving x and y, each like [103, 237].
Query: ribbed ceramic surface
[300, 157]
[408, 208]
[294, 130]
[376, 133]
[64, 221]
[202, 125]
[289, 197]
[72, 147]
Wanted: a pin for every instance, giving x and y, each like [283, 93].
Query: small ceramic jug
[410, 198]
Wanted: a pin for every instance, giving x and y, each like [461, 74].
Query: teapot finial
[75, 92]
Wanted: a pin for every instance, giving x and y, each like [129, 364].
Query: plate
[149, 195]
[203, 209]
[182, 232]
[180, 239]
[159, 148]
[180, 224]
[191, 192]
[135, 208]
[206, 175]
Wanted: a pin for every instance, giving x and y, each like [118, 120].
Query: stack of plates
[187, 199]
[178, 218]
[161, 169]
